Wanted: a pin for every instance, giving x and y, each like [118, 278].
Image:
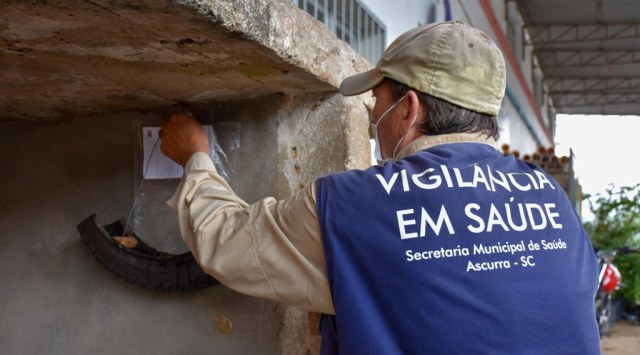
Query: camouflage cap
[449, 60]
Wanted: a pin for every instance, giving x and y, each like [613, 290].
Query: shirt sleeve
[271, 249]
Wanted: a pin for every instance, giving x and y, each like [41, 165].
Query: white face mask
[377, 153]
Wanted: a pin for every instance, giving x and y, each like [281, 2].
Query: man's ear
[417, 112]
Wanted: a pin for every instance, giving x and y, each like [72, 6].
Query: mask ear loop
[395, 150]
[389, 110]
[375, 125]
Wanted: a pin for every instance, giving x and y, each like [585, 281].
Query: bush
[617, 227]
[629, 266]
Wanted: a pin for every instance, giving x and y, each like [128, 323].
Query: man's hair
[444, 117]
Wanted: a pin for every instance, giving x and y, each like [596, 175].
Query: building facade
[527, 115]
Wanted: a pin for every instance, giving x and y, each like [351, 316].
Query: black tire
[142, 265]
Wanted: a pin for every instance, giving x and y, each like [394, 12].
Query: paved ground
[624, 339]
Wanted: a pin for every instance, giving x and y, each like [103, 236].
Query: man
[449, 247]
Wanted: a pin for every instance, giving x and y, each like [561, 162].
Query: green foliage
[617, 217]
[617, 227]
[629, 266]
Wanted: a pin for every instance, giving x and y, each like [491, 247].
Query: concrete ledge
[60, 59]
[293, 34]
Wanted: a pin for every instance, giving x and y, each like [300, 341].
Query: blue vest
[455, 250]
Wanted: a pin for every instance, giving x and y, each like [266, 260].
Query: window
[351, 22]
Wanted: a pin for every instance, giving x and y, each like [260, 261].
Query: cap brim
[359, 83]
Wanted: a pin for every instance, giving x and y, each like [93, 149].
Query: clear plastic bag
[154, 183]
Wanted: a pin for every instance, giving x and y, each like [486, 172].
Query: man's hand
[182, 136]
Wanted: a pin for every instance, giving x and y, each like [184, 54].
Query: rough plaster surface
[318, 135]
[292, 33]
[55, 297]
[64, 58]
[295, 337]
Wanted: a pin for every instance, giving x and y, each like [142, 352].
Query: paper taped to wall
[157, 165]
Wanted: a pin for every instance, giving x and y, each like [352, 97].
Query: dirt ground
[624, 339]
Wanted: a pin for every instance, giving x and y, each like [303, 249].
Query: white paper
[156, 165]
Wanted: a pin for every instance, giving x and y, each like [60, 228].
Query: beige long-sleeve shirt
[271, 249]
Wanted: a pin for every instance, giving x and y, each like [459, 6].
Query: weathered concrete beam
[71, 57]
[293, 34]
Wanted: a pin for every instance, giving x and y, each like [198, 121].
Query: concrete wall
[57, 299]
[78, 79]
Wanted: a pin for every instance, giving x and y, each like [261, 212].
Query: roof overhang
[589, 53]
